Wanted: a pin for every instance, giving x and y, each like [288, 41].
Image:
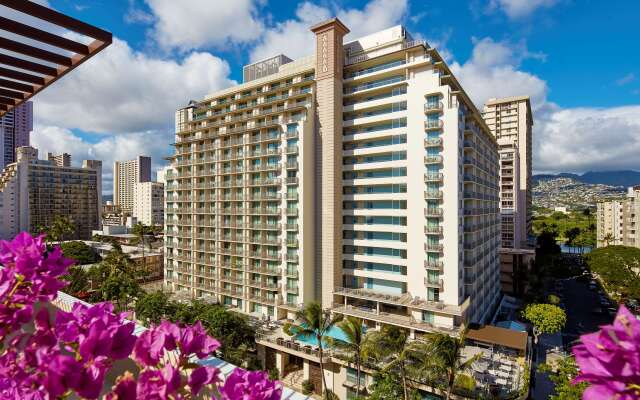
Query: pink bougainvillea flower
[609, 360]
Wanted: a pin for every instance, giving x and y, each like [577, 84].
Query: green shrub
[307, 387]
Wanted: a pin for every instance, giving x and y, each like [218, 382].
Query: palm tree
[142, 231]
[312, 320]
[354, 333]
[607, 239]
[394, 352]
[445, 355]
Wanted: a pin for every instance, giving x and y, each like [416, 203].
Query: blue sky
[577, 59]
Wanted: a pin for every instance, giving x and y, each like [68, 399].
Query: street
[580, 304]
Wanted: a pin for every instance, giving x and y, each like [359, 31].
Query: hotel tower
[361, 176]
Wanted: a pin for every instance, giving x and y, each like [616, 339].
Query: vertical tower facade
[33, 192]
[362, 177]
[329, 61]
[125, 175]
[15, 131]
[511, 122]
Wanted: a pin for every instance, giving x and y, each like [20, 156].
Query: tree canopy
[81, 252]
[545, 318]
[619, 268]
[566, 371]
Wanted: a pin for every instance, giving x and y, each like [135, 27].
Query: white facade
[511, 122]
[33, 192]
[125, 175]
[148, 203]
[412, 167]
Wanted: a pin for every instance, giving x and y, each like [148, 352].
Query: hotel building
[361, 176]
[15, 129]
[125, 176]
[610, 218]
[148, 203]
[511, 122]
[33, 192]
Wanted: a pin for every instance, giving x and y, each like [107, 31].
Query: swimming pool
[334, 332]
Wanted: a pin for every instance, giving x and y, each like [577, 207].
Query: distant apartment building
[148, 203]
[610, 222]
[511, 122]
[125, 175]
[112, 215]
[33, 192]
[15, 130]
[60, 160]
[361, 176]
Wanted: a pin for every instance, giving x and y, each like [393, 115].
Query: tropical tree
[562, 377]
[572, 234]
[80, 252]
[445, 357]
[618, 267]
[152, 308]
[607, 239]
[312, 320]
[117, 278]
[545, 318]
[59, 228]
[143, 234]
[387, 386]
[354, 333]
[393, 352]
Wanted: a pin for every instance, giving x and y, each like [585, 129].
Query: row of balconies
[259, 92]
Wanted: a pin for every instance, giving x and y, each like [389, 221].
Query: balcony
[433, 212]
[433, 124]
[292, 165]
[433, 230]
[433, 142]
[433, 194]
[433, 159]
[292, 212]
[437, 283]
[433, 107]
[291, 227]
[292, 180]
[291, 150]
[434, 265]
[434, 177]
[433, 247]
[292, 257]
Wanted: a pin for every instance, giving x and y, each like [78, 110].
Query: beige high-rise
[610, 218]
[361, 176]
[511, 122]
[33, 192]
[125, 175]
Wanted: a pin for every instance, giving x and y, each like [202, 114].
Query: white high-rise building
[610, 220]
[511, 122]
[15, 131]
[125, 175]
[148, 203]
[361, 176]
[33, 192]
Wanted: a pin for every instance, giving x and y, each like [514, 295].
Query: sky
[578, 60]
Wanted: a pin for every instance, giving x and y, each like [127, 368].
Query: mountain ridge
[618, 178]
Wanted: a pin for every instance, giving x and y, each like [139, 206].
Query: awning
[494, 335]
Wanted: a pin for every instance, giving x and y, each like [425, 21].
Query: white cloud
[516, 9]
[121, 90]
[564, 139]
[108, 149]
[294, 39]
[584, 139]
[493, 71]
[193, 24]
[628, 78]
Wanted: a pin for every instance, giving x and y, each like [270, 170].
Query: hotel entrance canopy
[36, 49]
